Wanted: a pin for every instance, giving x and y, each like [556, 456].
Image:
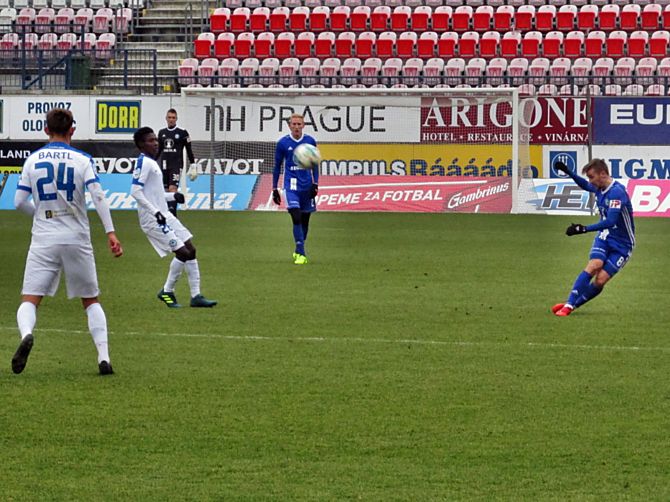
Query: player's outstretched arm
[114, 245]
[581, 182]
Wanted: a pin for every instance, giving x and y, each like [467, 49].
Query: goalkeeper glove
[179, 198]
[313, 191]
[193, 171]
[560, 166]
[575, 229]
[160, 219]
[276, 198]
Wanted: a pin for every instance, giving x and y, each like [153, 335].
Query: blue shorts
[613, 259]
[300, 199]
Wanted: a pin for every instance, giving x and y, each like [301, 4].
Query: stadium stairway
[163, 27]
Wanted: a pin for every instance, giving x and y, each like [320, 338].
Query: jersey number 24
[67, 185]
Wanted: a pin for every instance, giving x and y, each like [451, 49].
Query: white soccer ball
[306, 156]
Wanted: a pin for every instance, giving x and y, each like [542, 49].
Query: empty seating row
[51, 46]
[476, 71]
[433, 3]
[74, 4]
[47, 20]
[444, 18]
[429, 44]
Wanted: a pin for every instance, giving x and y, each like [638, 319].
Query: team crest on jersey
[615, 204]
[136, 172]
[48, 214]
[173, 242]
[176, 136]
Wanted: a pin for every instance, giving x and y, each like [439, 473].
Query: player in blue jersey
[300, 185]
[615, 240]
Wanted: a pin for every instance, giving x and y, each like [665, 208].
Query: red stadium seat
[565, 19]
[318, 19]
[203, 45]
[608, 17]
[651, 16]
[658, 44]
[360, 18]
[489, 44]
[503, 17]
[524, 17]
[509, 46]
[284, 45]
[573, 45]
[344, 44]
[544, 19]
[339, 18]
[26, 17]
[264, 44]
[594, 44]
[421, 16]
[441, 18]
[481, 20]
[222, 45]
[304, 44]
[324, 44]
[615, 44]
[427, 44]
[530, 45]
[365, 45]
[279, 19]
[467, 45]
[400, 18]
[446, 45]
[243, 45]
[258, 20]
[84, 17]
[298, 19]
[386, 44]
[666, 17]
[102, 19]
[461, 18]
[239, 19]
[586, 18]
[552, 44]
[637, 44]
[379, 18]
[44, 20]
[219, 20]
[629, 17]
[406, 44]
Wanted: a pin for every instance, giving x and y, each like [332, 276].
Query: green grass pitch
[415, 358]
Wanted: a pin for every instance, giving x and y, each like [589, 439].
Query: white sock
[97, 325]
[193, 273]
[26, 317]
[176, 267]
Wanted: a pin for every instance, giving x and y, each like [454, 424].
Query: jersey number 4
[67, 186]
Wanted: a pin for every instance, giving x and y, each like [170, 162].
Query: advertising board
[631, 120]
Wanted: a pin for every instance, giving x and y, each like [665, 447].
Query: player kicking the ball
[165, 232]
[57, 177]
[300, 185]
[615, 241]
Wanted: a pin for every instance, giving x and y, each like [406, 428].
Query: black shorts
[171, 176]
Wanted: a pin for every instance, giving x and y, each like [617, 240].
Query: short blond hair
[597, 165]
[296, 116]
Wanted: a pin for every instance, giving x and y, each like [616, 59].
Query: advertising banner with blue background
[631, 121]
[230, 192]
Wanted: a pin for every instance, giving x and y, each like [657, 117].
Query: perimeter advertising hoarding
[649, 197]
[401, 194]
[551, 120]
[230, 192]
[625, 162]
[631, 121]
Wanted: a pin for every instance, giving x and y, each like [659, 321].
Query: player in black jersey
[171, 143]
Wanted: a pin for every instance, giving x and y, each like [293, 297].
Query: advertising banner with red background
[401, 194]
[552, 120]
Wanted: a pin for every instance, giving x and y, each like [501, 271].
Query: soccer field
[415, 358]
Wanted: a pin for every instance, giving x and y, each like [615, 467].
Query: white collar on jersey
[297, 140]
[610, 186]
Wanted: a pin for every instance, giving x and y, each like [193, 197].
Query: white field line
[360, 340]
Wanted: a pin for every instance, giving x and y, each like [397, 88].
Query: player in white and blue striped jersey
[300, 185]
[164, 231]
[615, 240]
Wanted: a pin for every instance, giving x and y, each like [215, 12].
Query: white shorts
[45, 263]
[169, 238]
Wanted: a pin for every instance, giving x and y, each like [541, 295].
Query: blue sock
[305, 229]
[299, 239]
[580, 286]
[589, 294]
